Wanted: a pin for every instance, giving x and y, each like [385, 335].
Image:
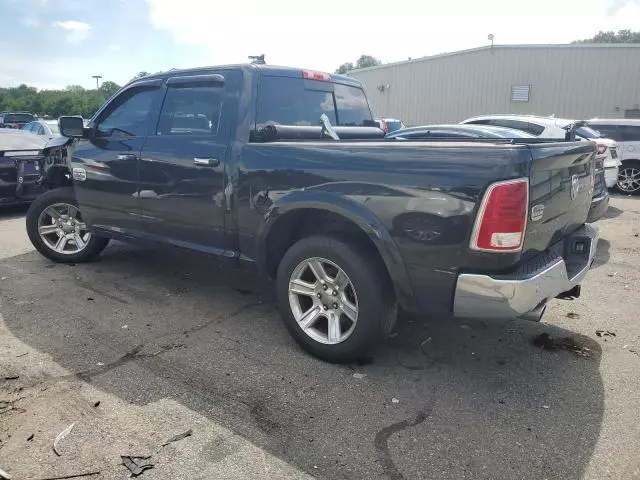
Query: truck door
[184, 162]
[106, 165]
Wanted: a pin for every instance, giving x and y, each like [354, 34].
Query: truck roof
[266, 70]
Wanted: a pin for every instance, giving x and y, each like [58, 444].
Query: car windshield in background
[294, 101]
[54, 128]
[18, 118]
[586, 132]
[393, 126]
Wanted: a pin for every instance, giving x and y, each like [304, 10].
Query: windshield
[18, 118]
[53, 127]
[586, 132]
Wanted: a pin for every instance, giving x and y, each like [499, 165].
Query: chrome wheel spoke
[333, 328]
[300, 287]
[317, 269]
[341, 279]
[72, 211]
[53, 213]
[310, 317]
[60, 244]
[349, 309]
[79, 241]
[47, 229]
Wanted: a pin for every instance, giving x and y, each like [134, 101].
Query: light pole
[97, 77]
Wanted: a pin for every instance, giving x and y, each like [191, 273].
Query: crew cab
[284, 170]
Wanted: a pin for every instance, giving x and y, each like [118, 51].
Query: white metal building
[570, 81]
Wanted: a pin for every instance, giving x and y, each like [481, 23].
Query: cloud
[114, 47]
[78, 31]
[616, 5]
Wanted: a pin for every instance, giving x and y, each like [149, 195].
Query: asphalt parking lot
[170, 341]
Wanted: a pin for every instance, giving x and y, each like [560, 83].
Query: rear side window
[631, 133]
[294, 101]
[191, 110]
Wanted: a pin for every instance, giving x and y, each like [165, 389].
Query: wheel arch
[302, 214]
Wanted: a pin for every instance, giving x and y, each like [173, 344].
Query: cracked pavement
[168, 341]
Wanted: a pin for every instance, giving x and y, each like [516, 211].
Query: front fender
[352, 211]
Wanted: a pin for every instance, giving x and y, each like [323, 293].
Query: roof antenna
[257, 59]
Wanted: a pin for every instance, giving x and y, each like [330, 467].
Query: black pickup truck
[231, 161]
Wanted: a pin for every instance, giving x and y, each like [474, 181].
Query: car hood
[21, 141]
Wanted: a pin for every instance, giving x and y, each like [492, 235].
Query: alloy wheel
[62, 229]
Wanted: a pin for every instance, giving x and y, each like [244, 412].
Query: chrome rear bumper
[542, 278]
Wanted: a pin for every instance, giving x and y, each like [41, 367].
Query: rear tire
[56, 229]
[354, 278]
[629, 178]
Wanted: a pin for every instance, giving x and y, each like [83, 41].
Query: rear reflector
[502, 217]
[312, 75]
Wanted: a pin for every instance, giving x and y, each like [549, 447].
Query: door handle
[206, 162]
[126, 156]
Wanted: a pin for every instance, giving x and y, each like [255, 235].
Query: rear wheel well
[294, 226]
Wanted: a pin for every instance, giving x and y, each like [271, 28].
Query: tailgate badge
[575, 186]
[537, 211]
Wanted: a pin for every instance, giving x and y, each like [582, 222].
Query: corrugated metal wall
[568, 81]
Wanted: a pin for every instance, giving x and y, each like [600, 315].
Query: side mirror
[72, 127]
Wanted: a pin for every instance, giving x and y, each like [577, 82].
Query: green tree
[364, 61]
[621, 36]
[344, 68]
[109, 88]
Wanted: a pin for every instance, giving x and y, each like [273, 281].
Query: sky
[55, 43]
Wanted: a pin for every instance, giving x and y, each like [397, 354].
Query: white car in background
[551, 127]
[626, 132]
[48, 128]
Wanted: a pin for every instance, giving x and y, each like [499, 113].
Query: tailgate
[561, 188]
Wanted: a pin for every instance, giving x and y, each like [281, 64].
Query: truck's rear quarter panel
[425, 194]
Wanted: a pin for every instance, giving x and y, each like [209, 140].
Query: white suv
[627, 133]
[551, 127]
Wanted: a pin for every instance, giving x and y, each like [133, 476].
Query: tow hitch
[570, 294]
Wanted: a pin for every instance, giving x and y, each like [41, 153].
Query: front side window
[191, 110]
[127, 115]
[28, 127]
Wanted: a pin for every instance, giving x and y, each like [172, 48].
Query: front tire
[334, 297]
[56, 228]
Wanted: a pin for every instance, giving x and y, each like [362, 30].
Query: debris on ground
[632, 349]
[12, 377]
[124, 327]
[605, 333]
[60, 437]
[74, 475]
[30, 437]
[100, 364]
[395, 400]
[465, 327]
[8, 406]
[546, 342]
[97, 404]
[545, 407]
[136, 465]
[612, 274]
[177, 438]
[4, 475]
[359, 376]
[573, 315]
[89, 299]
[22, 354]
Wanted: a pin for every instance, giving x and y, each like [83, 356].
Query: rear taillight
[502, 217]
[602, 149]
